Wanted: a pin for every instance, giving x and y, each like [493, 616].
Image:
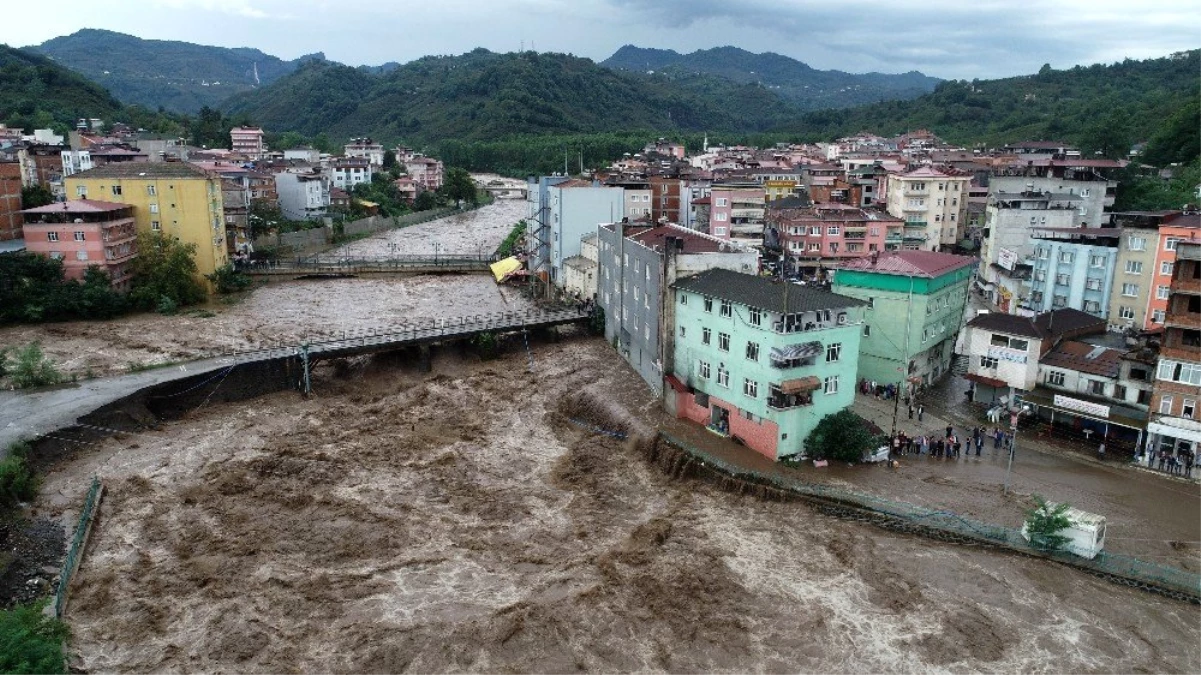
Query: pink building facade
[825, 234]
[83, 233]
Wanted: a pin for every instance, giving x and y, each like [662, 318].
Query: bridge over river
[29, 414]
[326, 265]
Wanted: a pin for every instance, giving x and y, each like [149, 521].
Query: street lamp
[1013, 442]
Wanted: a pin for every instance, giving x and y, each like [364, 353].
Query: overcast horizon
[988, 40]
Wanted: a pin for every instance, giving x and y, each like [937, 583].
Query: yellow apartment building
[175, 198]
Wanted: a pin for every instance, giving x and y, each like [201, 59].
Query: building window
[1119, 392]
[1165, 405]
[1041, 253]
[1169, 244]
[1061, 279]
[1136, 244]
[723, 341]
[1097, 261]
[726, 308]
[51, 236]
[1125, 312]
[1130, 290]
[752, 351]
[1162, 292]
[1040, 275]
[683, 298]
[1165, 269]
[1180, 371]
[81, 191]
[721, 201]
[1055, 378]
[1134, 267]
[755, 317]
[1092, 284]
[988, 362]
[153, 208]
[709, 305]
[723, 376]
[815, 230]
[1059, 301]
[702, 369]
[1066, 257]
[871, 303]
[1036, 296]
[150, 190]
[81, 254]
[1096, 387]
[1157, 316]
[706, 335]
[833, 229]
[830, 385]
[750, 388]
[1188, 408]
[78, 236]
[925, 334]
[834, 352]
[116, 190]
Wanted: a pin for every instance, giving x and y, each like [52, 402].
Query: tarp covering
[792, 352]
[503, 269]
[800, 385]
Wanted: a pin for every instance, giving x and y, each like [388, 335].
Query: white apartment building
[933, 204]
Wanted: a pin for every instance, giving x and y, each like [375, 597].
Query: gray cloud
[945, 38]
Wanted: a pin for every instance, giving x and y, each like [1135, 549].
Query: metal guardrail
[78, 542]
[409, 333]
[1125, 569]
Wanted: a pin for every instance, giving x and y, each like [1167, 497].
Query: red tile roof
[693, 242]
[927, 264]
[1085, 358]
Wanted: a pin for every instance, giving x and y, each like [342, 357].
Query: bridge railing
[329, 262]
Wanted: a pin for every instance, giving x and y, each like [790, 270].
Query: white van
[1086, 534]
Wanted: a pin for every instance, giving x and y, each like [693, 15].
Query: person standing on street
[910, 411]
[1101, 451]
[950, 431]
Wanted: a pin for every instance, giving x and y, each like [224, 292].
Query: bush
[228, 280]
[506, 248]
[841, 436]
[486, 344]
[3, 361]
[166, 306]
[33, 369]
[1044, 522]
[31, 642]
[165, 267]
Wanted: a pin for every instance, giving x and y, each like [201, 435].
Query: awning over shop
[503, 269]
[990, 381]
[799, 351]
[1174, 431]
[800, 385]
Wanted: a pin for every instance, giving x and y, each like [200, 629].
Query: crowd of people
[951, 445]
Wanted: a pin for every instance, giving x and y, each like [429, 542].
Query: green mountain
[796, 82]
[483, 95]
[178, 76]
[37, 93]
[1105, 108]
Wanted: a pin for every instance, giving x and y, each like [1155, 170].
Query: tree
[459, 186]
[389, 159]
[33, 369]
[1044, 522]
[35, 196]
[425, 201]
[841, 436]
[31, 642]
[165, 269]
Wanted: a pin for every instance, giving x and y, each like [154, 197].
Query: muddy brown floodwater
[460, 521]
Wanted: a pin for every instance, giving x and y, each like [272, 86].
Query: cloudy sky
[945, 38]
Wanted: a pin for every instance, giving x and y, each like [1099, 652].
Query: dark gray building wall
[630, 291]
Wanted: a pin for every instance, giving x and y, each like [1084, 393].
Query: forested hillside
[1104, 108]
[800, 84]
[482, 95]
[178, 76]
[36, 93]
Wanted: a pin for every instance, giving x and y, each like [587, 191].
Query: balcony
[747, 213]
[795, 356]
[915, 224]
[795, 393]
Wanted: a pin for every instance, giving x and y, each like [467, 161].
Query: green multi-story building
[759, 360]
[916, 302]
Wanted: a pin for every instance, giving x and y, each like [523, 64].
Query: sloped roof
[692, 241]
[1047, 324]
[78, 206]
[1085, 358]
[928, 264]
[763, 293]
[144, 170]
